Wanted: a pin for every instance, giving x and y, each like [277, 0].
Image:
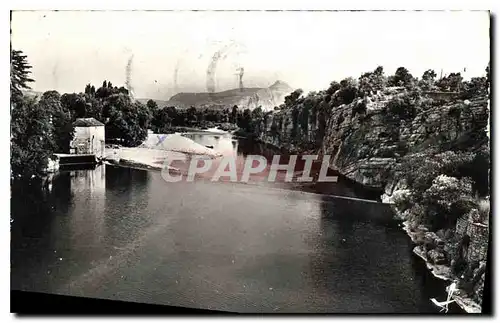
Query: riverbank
[436, 250]
[439, 156]
[157, 148]
[221, 128]
[344, 207]
[243, 240]
[433, 262]
[429, 246]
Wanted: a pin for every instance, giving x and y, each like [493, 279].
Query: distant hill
[160, 103]
[250, 98]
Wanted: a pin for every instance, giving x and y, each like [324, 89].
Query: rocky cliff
[373, 140]
[367, 147]
[367, 142]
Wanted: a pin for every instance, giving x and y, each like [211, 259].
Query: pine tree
[19, 73]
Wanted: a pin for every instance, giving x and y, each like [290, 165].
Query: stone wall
[478, 233]
[478, 247]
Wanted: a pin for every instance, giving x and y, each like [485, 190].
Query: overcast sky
[305, 49]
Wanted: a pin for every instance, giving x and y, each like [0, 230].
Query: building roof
[87, 122]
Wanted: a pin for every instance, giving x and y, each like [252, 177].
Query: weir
[76, 159]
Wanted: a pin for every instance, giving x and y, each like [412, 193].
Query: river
[127, 234]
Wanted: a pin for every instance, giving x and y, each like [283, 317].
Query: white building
[88, 138]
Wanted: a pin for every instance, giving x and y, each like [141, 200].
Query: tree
[450, 83]
[191, 116]
[475, 87]
[401, 108]
[142, 117]
[444, 200]
[429, 75]
[379, 71]
[245, 121]
[257, 116]
[334, 87]
[88, 89]
[122, 90]
[292, 98]
[428, 80]
[151, 104]
[63, 130]
[60, 119]
[402, 77]
[346, 94]
[162, 119]
[172, 113]
[234, 114]
[93, 107]
[75, 103]
[31, 125]
[371, 82]
[127, 122]
[31, 139]
[19, 74]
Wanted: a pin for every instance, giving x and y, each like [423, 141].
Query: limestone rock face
[247, 98]
[368, 145]
[278, 130]
[436, 257]
[266, 98]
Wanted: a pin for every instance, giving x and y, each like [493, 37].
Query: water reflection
[360, 242]
[240, 149]
[92, 182]
[86, 220]
[360, 255]
[127, 234]
[129, 188]
[33, 211]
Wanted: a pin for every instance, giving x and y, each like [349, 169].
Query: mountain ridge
[265, 97]
[251, 98]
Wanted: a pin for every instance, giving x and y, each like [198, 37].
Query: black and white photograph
[250, 162]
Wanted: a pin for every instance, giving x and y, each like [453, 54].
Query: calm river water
[127, 234]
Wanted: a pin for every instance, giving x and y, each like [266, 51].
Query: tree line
[169, 118]
[42, 126]
[313, 110]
